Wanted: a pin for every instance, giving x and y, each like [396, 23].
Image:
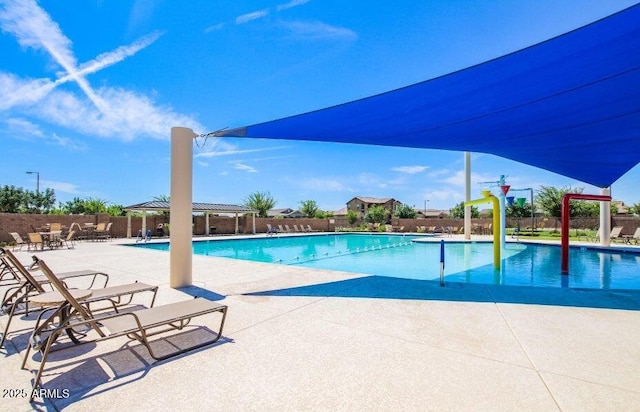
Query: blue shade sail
[570, 105]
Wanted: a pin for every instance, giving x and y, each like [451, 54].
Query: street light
[37, 180]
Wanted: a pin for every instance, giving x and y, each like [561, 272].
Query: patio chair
[16, 299]
[35, 239]
[68, 240]
[103, 231]
[138, 325]
[19, 242]
[81, 234]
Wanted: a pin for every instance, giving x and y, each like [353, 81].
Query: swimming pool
[399, 256]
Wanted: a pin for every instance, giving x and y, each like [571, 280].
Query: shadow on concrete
[197, 291]
[379, 287]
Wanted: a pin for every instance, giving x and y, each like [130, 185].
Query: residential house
[361, 204]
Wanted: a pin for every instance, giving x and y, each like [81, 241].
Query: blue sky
[89, 91]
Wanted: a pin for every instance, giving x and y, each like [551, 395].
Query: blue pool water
[398, 256]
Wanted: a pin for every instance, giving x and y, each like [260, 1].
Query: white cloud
[245, 18]
[225, 149]
[246, 168]
[129, 116]
[215, 27]
[316, 30]
[410, 169]
[114, 112]
[66, 142]
[292, 3]
[444, 194]
[21, 127]
[15, 91]
[325, 185]
[458, 178]
[437, 173]
[63, 187]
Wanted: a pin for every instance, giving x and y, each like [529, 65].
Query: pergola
[206, 208]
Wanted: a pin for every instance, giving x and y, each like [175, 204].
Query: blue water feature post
[442, 262]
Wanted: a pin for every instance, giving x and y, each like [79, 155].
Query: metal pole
[467, 195]
[532, 213]
[37, 180]
[442, 262]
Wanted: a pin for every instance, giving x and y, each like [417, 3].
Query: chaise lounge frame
[137, 326]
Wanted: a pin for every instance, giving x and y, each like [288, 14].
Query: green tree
[405, 212]
[116, 210]
[12, 199]
[324, 214]
[73, 207]
[90, 206]
[635, 209]
[352, 216]
[94, 206]
[458, 211]
[39, 202]
[550, 200]
[515, 210]
[260, 201]
[309, 208]
[377, 214]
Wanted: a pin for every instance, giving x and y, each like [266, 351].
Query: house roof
[568, 105]
[379, 200]
[156, 205]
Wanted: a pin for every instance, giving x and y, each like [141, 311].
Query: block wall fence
[219, 225]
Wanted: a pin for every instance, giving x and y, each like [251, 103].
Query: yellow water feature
[489, 198]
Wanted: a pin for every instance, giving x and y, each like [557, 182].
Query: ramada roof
[197, 207]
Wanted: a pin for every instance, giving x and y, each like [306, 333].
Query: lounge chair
[280, 228]
[287, 228]
[19, 242]
[616, 234]
[138, 325]
[635, 238]
[310, 229]
[16, 299]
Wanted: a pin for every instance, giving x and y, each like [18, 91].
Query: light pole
[37, 180]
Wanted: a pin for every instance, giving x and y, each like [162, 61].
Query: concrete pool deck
[304, 339]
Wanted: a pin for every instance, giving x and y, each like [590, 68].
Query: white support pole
[254, 223]
[236, 223]
[206, 224]
[605, 218]
[144, 224]
[181, 207]
[467, 195]
[128, 224]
